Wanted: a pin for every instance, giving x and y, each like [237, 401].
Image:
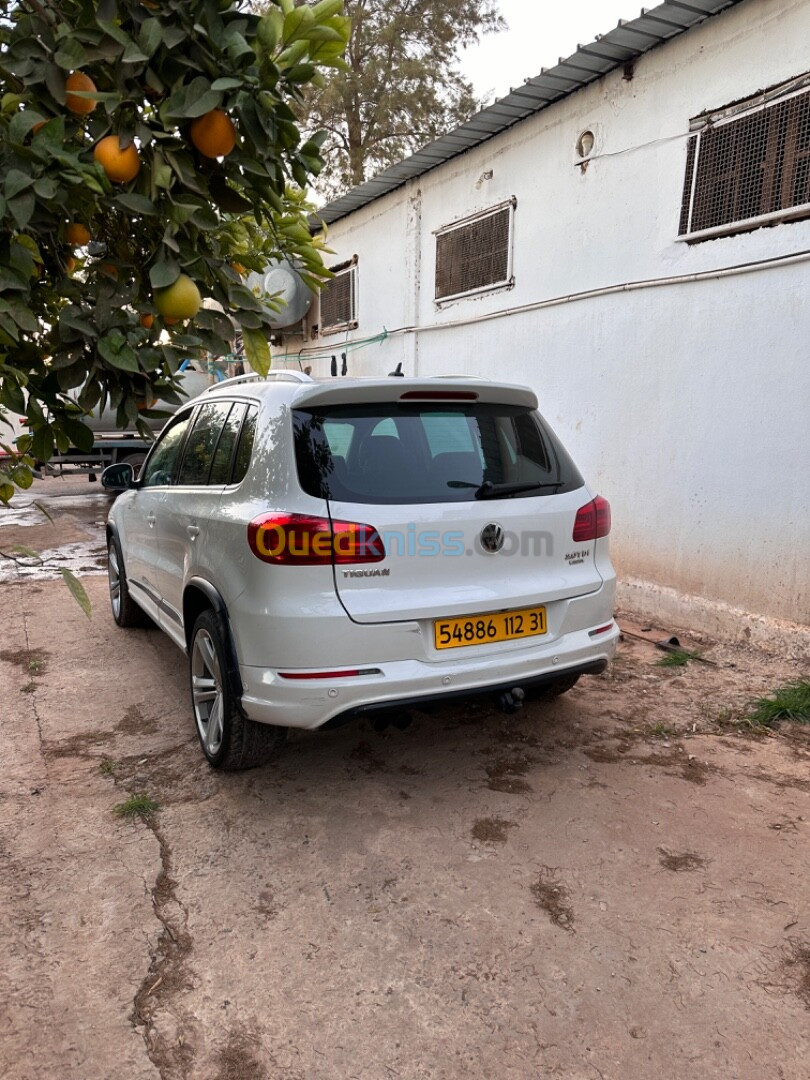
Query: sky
[540, 31]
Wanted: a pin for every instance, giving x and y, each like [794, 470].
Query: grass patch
[136, 806]
[677, 658]
[107, 767]
[790, 702]
[662, 731]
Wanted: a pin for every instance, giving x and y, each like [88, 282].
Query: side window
[202, 442]
[245, 446]
[221, 467]
[159, 469]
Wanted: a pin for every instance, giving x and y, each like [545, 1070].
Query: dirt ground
[612, 886]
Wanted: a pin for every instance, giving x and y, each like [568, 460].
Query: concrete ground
[612, 886]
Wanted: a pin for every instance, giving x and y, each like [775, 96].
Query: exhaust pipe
[511, 700]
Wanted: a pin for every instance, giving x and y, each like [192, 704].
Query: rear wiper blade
[488, 490]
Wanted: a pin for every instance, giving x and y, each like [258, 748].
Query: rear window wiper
[488, 490]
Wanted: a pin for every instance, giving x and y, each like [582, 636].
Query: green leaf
[16, 181]
[325, 9]
[11, 396]
[22, 207]
[173, 35]
[55, 81]
[71, 318]
[79, 434]
[115, 32]
[133, 55]
[21, 124]
[257, 350]
[226, 84]
[46, 187]
[114, 348]
[241, 297]
[208, 319]
[296, 24]
[23, 316]
[150, 36]
[42, 443]
[164, 272]
[77, 591]
[70, 56]
[137, 204]
[11, 279]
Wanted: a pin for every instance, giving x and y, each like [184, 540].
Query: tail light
[301, 540]
[592, 521]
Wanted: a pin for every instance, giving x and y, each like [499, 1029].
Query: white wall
[686, 403]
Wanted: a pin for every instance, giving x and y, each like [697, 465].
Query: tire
[549, 691]
[229, 740]
[124, 609]
[135, 460]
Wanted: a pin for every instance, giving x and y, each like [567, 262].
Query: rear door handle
[193, 531]
[151, 520]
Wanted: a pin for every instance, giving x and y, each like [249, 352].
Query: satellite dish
[280, 277]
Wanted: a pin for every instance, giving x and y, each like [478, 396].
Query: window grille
[475, 254]
[339, 299]
[749, 169]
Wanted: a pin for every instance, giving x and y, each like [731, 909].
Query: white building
[629, 234]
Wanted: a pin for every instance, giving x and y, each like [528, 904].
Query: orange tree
[145, 147]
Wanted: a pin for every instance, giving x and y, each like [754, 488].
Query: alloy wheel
[207, 692]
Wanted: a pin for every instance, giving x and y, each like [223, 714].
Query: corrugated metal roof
[630, 39]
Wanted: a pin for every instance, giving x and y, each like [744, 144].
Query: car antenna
[334, 367]
[344, 367]
[398, 371]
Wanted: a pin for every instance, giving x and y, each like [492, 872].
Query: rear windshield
[426, 453]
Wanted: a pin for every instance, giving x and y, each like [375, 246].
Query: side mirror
[118, 477]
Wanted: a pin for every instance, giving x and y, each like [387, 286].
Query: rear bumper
[301, 703]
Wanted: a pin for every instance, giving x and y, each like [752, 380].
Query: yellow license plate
[482, 629]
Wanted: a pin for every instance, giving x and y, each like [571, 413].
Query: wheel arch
[200, 595]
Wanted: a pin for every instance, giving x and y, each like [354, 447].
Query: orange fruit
[80, 105]
[147, 320]
[40, 124]
[239, 269]
[120, 165]
[213, 134]
[180, 300]
[71, 265]
[77, 235]
[108, 268]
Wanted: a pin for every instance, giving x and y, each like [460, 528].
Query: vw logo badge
[492, 537]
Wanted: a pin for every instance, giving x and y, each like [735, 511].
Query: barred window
[749, 167]
[475, 254]
[339, 299]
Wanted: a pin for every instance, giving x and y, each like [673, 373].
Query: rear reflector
[329, 674]
[301, 540]
[600, 630]
[592, 520]
[439, 395]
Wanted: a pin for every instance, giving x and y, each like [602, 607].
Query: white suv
[328, 549]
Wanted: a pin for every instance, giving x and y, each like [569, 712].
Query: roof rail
[276, 376]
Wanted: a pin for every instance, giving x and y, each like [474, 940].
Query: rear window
[425, 453]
